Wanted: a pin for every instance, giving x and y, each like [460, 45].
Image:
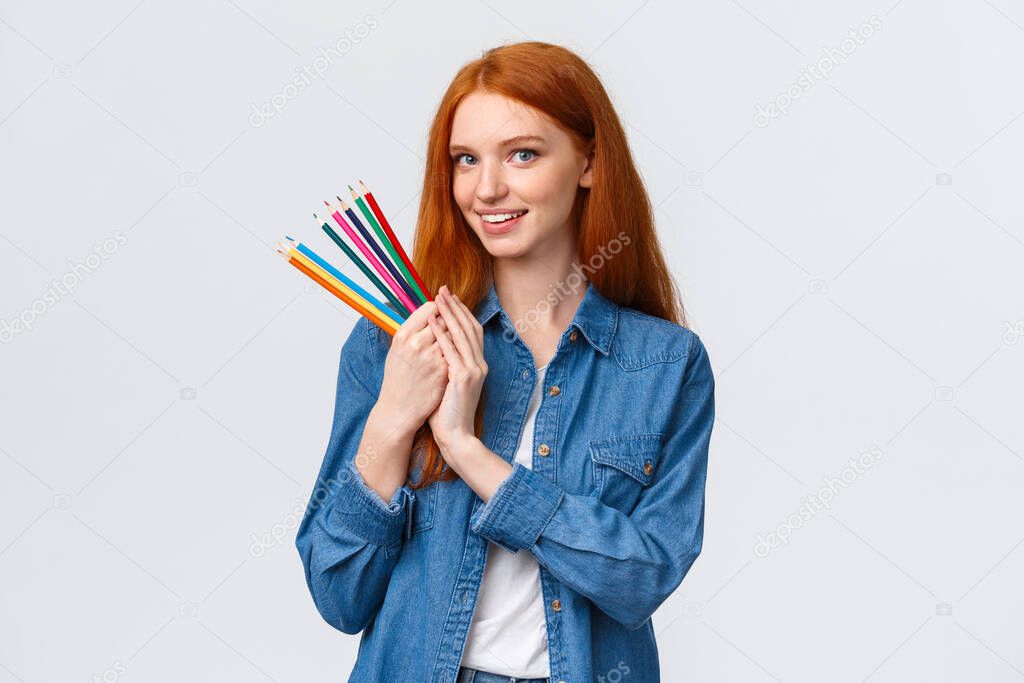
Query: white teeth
[500, 217]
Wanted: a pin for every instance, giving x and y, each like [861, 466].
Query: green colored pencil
[395, 303]
[372, 220]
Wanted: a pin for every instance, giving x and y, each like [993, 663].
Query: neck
[537, 294]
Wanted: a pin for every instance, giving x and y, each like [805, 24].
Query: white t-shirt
[509, 635]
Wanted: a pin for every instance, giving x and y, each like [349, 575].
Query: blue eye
[459, 156]
[527, 151]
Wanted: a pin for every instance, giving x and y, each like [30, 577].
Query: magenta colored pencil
[372, 258]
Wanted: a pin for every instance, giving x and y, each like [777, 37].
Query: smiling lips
[499, 221]
[496, 217]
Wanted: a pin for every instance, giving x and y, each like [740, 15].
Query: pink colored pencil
[372, 258]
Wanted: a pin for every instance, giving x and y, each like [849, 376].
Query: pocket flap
[423, 503]
[634, 454]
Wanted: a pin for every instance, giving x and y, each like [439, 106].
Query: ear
[587, 179]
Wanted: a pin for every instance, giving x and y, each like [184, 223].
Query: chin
[506, 248]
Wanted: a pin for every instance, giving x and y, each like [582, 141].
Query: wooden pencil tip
[327, 204]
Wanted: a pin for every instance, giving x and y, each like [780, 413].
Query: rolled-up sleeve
[349, 537]
[627, 565]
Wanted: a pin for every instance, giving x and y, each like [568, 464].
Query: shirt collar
[596, 317]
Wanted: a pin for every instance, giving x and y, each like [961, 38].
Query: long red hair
[558, 83]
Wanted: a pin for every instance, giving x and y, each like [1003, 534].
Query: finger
[454, 363]
[417, 320]
[448, 349]
[455, 327]
[469, 324]
[474, 323]
[423, 338]
[440, 324]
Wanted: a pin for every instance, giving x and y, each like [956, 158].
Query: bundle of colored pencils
[399, 282]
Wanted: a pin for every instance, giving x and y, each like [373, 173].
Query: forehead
[485, 119]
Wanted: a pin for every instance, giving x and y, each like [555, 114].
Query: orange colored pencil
[385, 324]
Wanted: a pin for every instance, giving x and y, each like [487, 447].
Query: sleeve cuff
[515, 516]
[361, 510]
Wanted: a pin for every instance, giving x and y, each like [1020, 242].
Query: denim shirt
[612, 510]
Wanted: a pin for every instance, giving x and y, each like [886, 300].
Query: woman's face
[510, 158]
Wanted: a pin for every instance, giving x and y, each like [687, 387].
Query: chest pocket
[422, 515]
[623, 466]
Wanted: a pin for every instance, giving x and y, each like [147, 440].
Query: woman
[515, 481]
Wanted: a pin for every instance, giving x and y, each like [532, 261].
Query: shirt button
[554, 390]
[572, 336]
[556, 605]
[526, 374]
[648, 468]
[543, 449]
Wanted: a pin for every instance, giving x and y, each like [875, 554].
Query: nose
[490, 184]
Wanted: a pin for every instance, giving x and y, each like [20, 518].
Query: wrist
[392, 426]
[456, 448]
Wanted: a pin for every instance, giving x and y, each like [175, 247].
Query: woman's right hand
[415, 372]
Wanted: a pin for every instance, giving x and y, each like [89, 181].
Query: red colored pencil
[391, 236]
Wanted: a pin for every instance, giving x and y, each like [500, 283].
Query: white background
[854, 268]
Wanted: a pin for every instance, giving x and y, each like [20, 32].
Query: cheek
[552, 191]
[462, 192]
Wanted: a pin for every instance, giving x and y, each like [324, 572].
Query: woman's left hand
[462, 345]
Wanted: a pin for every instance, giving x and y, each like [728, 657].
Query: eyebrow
[519, 139]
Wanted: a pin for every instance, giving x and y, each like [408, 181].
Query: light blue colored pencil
[312, 255]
